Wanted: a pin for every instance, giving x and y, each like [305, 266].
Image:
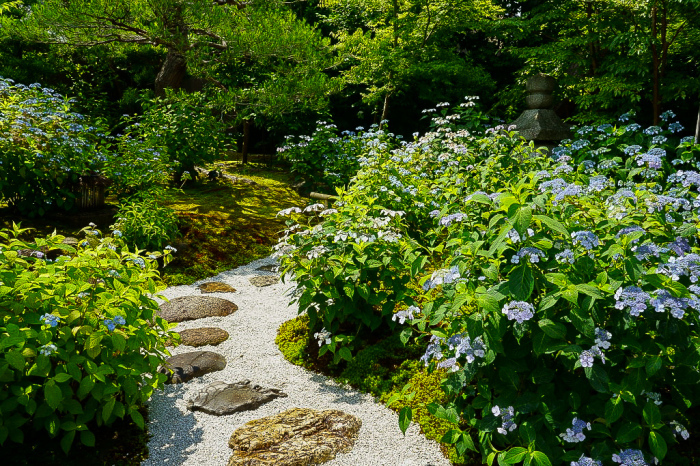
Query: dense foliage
[81, 341]
[560, 292]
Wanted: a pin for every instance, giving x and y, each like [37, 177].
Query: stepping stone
[268, 268]
[220, 398]
[196, 307]
[203, 336]
[295, 437]
[187, 366]
[216, 287]
[264, 280]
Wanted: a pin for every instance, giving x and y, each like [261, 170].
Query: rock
[268, 268]
[187, 366]
[220, 398]
[216, 287]
[70, 241]
[295, 437]
[264, 280]
[195, 307]
[203, 336]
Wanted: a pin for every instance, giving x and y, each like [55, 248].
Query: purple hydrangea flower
[575, 434]
[633, 298]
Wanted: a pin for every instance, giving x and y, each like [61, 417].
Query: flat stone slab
[264, 280]
[221, 398]
[216, 287]
[196, 307]
[296, 437]
[268, 268]
[187, 366]
[203, 336]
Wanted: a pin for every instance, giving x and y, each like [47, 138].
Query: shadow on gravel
[172, 430]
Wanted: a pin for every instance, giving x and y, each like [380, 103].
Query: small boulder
[186, 366]
[195, 307]
[268, 268]
[296, 437]
[216, 287]
[264, 280]
[220, 398]
[203, 336]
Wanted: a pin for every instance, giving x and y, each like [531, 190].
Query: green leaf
[67, 441]
[87, 438]
[590, 290]
[521, 219]
[465, 443]
[513, 456]
[405, 335]
[614, 409]
[107, 409]
[405, 416]
[540, 458]
[653, 365]
[345, 353]
[554, 225]
[451, 436]
[52, 394]
[521, 282]
[553, 329]
[652, 415]
[657, 445]
[628, 432]
[15, 359]
[137, 418]
[63, 377]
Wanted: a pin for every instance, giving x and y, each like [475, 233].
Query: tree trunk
[655, 60]
[697, 128]
[385, 110]
[246, 141]
[171, 73]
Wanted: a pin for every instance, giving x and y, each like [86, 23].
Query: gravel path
[181, 437]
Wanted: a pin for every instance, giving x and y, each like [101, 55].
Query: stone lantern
[540, 123]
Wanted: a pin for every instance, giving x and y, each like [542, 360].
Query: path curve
[181, 437]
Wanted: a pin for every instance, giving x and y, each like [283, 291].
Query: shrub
[144, 223]
[80, 339]
[325, 161]
[184, 126]
[44, 148]
[560, 294]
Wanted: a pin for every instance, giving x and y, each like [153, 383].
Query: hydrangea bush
[80, 339]
[46, 150]
[561, 293]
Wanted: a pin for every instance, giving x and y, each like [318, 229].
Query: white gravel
[182, 437]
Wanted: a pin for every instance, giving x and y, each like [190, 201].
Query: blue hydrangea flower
[48, 349]
[433, 351]
[462, 344]
[678, 429]
[646, 251]
[629, 230]
[533, 255]
[664, 300]
[507, 415]
[632, 150]
[520, 311]
[630, 457]
[602, 338]
[565, 257]
[676, 267]
[633, 298]
[452, 218]
[652, 130]
[50, 319]
[408, 313]
[109, 323]
[442, 277]
[585, 238]
[119, 320]
[575, 434]
[586, 461]
[586, 357]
